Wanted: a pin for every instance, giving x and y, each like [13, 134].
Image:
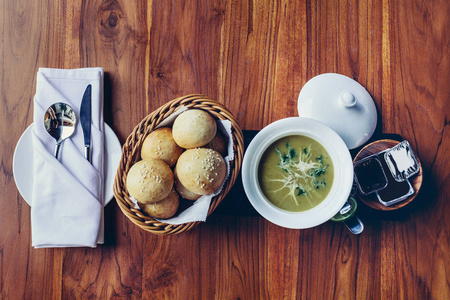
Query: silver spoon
[60, 121]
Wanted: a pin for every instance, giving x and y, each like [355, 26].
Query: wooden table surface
[254, 57]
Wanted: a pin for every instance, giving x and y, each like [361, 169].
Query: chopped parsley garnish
[320, 171]
[301, 192]
[319, 159]
[301, 170]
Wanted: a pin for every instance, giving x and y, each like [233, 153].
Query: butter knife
[85, 119]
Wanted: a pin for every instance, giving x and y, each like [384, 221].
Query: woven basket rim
[131, 154]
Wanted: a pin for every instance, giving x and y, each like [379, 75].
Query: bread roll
[201, 170]
[149, 181]
[182, 190]
[161, 145]
[163, 209]
[194, 128]
[218, 144]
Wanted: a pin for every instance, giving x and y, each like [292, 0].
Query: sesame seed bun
[182, 190]
[163, 209]
[201, 170]
[194, 128]
[218, 143]
[149, 181]
[161, 145]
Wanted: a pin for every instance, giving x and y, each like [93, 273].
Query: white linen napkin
[67, 198]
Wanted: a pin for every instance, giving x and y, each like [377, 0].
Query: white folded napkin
[67, 201]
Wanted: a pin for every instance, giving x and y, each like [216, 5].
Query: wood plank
[26, 44]
[419, 104]
[109, 34]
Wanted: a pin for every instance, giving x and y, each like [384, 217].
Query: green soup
[295, 173]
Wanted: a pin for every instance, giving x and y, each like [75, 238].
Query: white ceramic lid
[341, 103]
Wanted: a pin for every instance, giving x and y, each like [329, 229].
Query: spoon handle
[87, 153]
[57, 149]
[354, 224]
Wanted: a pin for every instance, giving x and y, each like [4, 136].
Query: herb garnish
[301, 172]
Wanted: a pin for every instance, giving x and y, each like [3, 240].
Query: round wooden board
[371, 200]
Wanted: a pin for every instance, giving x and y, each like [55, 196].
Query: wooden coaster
[371, 200]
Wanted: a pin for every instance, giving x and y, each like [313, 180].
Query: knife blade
[85, 119]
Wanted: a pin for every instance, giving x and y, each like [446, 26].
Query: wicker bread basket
[131, 154]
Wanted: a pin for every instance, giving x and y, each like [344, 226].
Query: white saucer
[23, 159]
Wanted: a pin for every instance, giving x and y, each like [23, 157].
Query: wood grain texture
[254, 57]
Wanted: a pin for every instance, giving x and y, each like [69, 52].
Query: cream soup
[295, 173]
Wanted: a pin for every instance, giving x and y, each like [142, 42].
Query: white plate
[23, 159]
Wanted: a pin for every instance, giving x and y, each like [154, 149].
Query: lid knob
[347, 99]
